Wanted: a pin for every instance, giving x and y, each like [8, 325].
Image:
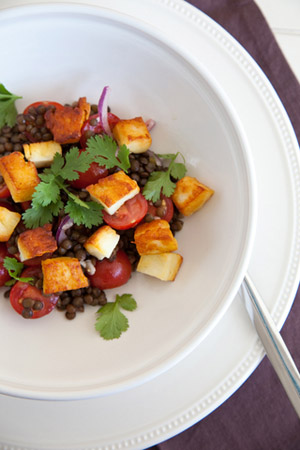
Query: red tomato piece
[92, 126]
[112, 274]
[4, 191]
[165, 211]
[44, 103]
[39, 305]
[129, 214]
[27, 114]
[91, 176]
[26, 205]
[4, 276]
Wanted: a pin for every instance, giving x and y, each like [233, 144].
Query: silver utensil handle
[274, 345]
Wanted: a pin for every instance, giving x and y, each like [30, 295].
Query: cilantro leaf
[106, 153]
[75, 162]
[8, 111]
[56, 166]
[157, 182]
[127, 302]
[161, 181]
[178, 170]
[46, 193]
[111, 322]
[90, 215]
[39, 215]
[14, 269]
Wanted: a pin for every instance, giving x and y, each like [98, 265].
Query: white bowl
[62, 52]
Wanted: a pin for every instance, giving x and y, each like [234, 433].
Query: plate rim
[187, 418]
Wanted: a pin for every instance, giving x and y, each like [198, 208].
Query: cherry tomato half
[91, 176]
[129, 214]
[92, 126]
[4, 276]
[39, 305]
[4, 191]
[44, 103]
[164, 211]
[30, 110]
[112, 274]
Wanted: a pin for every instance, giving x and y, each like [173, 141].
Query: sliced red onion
[64, 225]
[157, 159]
[150, 123]
[102, 110]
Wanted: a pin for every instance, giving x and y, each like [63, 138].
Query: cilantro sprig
[161, 181]
[106, 152]
[111, 322]
[47, 199]
[8, 111]
[14, 269]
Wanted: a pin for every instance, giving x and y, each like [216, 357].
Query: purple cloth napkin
[259, 415]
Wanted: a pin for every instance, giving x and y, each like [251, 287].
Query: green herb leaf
[161, 181]
[8, 111]
[14, 269]
[38, 215]
[75, 162]
[46, 193]
[178, 170]
[89, 215]
[106, 153]
[47, 201]
[111, 322]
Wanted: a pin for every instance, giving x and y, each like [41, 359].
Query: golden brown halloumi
[62, 274]
[154, 237]
[36, 242]
[113, 191]
[8, 222]
[164, 266]
[102, 242]
[20, 176]
[42, 153]
[134, 134]
[190, 195]
[66, 123]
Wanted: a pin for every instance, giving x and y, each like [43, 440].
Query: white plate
[152, 77]
[161, 408]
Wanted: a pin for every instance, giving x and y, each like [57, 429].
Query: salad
[85, 202]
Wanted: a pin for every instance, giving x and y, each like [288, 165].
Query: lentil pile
[32, 125]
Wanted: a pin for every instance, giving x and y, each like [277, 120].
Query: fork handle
[274, 345]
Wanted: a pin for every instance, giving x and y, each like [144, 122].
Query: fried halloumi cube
[62, 274]
[113, 191]
[36, 242]
[154, 237]
[20, 176]
[66, 123]
[102, 243]
[134, 134]
[190, 195]
[42, 153]
[164, 266]
[8, 222]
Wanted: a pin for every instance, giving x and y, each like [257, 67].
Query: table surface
[283, 18]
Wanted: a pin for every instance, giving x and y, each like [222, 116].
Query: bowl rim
[251, 183]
